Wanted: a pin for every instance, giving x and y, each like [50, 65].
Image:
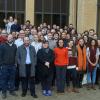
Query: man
[18, 43]
[15, 27]
[8, 66]
[52, 43]
[64, 37]
[26, 56]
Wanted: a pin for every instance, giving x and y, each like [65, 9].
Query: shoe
[34, 96]
[75, 90]
[49, 92]
[4, 95]
[60, 92]
[69, 90]
[23, 94]
[88, 87]
[44, 92]
[13, 93]
[93, 87]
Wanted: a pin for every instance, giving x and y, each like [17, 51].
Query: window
[13, 8]
[52, 11]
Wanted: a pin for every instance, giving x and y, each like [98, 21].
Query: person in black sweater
[8, 51]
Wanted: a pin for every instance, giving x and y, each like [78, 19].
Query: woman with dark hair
[81, 60]
[61, 62]
[92, 58]
[71, 68]
[45, 59]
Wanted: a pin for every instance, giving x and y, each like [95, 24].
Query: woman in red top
[61, 62]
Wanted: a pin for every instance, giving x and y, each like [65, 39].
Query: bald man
[26, 56]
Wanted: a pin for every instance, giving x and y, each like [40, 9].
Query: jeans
[8, 78]
[73, 73]
[91, 76]
[60, 78]
[0, 78]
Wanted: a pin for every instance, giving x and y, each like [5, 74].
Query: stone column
[30, 10]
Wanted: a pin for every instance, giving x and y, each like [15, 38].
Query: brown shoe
[93, 87]
[60, 92]
[75, 90]
[88, 87]
[69, 90]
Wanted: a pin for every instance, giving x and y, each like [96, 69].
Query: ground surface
[83, 95]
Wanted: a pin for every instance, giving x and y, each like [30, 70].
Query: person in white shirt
[19, 41]
[37, 45]
[10, 23]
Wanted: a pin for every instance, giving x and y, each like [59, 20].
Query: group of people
[50, 55]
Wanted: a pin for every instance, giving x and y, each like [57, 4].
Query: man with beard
[8, 66]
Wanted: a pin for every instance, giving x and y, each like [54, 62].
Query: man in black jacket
[8, 66]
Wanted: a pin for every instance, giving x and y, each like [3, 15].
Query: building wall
[86, 15]
[82, 13]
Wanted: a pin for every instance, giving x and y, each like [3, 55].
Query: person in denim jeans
[98, 65]
[8, 67]
[92, 58]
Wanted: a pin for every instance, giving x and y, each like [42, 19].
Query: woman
[92, 58]
[45, 59]
[71, 68]
[81, 60]
[61, 62]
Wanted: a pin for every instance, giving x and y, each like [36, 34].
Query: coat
[21, 58]
[42, 57]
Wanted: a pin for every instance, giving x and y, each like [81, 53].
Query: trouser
[60, 78]
[0, 78]
[17, 78]
[46, 82]
[54, 76]
[80, 75]
[91, 76]
[98, 74]
[71, 72]
[28, 80]
[37, 80]
[8, 78]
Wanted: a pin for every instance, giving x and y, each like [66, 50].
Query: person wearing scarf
[81, 61]
[45, 58]
[92, 58]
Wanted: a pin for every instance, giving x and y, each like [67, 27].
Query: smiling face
[93, 43]
[26, 41]
[10, 38]
[81, 42]
[70, 44]
[60, 43]
[45, 45]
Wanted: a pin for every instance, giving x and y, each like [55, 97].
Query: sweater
[61, 56]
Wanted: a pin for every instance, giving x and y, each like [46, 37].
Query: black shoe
[23, 94]
[34, 96]
[4, 95]
[13, 93]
